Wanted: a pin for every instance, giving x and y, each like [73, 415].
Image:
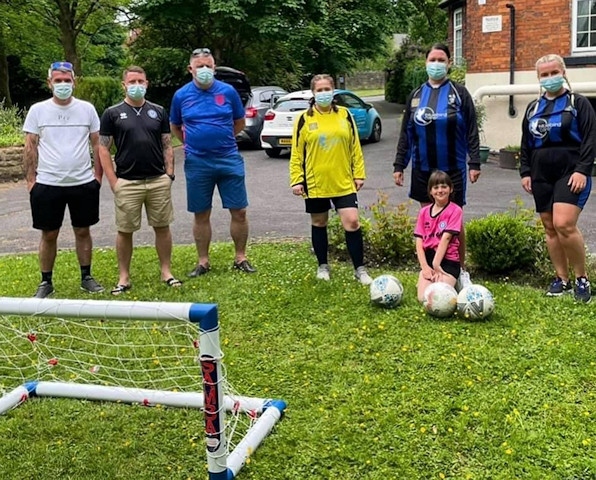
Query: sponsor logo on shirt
[540, 127]
[425, 116]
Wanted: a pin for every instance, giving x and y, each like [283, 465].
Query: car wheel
[273, 152]
[375, 135]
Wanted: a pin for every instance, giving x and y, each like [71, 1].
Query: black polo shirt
[137, 135]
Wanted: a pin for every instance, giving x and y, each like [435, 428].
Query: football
[475, 302]
[386, 291]
[440, 300]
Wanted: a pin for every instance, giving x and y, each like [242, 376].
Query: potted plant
[509, 157]
[480, 119]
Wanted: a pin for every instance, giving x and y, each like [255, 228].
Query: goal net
[145, 353]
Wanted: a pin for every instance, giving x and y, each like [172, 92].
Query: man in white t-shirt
[59, 173]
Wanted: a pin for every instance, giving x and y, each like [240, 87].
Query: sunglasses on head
[201, 51]
[61, 66]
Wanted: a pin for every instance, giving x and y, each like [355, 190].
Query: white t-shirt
[63, 152]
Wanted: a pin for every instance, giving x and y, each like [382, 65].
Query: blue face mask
[136, 92]
[552, 84]
[204, 75]
[436, 70]
[323, 99]
[62, 91]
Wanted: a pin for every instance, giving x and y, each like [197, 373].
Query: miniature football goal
[145, 353]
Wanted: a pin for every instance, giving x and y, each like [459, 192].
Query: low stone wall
[11, 164]
[364, 81]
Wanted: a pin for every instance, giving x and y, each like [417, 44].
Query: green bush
[388, 235]
[406, 72]
[507, 242]
[11, 124]
[391, 237]
[102, 92]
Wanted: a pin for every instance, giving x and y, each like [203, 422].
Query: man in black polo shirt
[144, 173]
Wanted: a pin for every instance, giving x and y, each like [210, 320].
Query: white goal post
[61, 344]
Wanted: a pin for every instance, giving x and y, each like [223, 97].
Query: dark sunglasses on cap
[61, 66]
[201, 51]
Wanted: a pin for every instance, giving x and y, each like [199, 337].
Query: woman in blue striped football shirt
[557, 154]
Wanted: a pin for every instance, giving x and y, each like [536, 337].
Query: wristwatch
[172, 177]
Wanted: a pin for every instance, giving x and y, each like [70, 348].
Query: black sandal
[173, 282]
[119, 289]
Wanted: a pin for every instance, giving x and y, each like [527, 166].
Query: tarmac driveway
[274, 212]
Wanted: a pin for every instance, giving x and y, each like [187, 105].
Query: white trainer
[362, 276]
[323, 272]
[463, 281]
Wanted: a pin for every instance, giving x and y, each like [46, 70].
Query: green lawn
[372, 394]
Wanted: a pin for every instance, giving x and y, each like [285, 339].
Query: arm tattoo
[105, 141]
[166, 141]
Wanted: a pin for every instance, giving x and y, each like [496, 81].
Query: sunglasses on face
[61, 66]
[201, 51]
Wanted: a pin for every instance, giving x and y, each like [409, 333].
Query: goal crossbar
[222, 465]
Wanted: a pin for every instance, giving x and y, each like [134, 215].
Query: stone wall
[363, 81]
[11, 164]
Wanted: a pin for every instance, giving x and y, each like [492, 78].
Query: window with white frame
[584, 26]
[458, 36]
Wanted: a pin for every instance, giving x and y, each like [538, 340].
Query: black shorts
[546, 193]
[48, 204]
[321, 205]
[419, 186]
[450, 266]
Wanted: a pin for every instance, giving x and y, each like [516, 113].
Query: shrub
[102, 92]
[507, 242]
[392, 234]
[11, 124]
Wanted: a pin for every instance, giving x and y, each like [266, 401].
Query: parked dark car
[256, 101]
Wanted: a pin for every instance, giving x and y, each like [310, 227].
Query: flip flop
[173, 282]
[119, 289]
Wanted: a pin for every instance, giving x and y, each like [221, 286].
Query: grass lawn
[372, 394]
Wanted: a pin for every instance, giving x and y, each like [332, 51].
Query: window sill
[580, 61]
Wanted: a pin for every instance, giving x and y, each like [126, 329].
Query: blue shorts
[203, 174]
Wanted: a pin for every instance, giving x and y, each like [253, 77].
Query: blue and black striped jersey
[439, 130]
[563, 127]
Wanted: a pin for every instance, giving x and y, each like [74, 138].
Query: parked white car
[278, 124]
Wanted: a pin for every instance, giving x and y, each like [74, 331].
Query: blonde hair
[553, 57]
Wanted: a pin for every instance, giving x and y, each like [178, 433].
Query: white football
[386, 291]
[475, 302]
[440, 299]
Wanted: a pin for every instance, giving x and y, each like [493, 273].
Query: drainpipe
[526, 89]
[511, 7]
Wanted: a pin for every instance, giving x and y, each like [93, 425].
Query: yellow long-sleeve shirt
[326, 154]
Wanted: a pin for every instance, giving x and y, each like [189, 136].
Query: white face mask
[62, 91]
[204, 75]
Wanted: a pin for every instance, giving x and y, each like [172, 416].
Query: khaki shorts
[130, 196]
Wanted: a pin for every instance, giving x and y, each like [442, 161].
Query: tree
[5, 98]
[272, 40]
[71, 19]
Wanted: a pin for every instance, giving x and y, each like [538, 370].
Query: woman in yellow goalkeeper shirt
[327, 169]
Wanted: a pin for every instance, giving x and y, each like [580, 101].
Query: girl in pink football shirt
[437, 235]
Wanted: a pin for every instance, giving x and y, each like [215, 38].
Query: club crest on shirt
[152, 114]
[451, 99]
[442, 225]
[220, 99]
[313, 126]
[415, 102]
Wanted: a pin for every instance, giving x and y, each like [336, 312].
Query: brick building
[501, 40]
